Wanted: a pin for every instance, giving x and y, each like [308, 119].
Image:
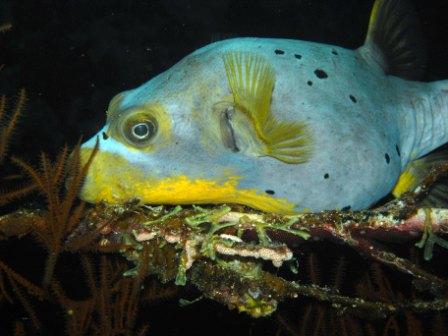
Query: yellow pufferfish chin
[114, 180]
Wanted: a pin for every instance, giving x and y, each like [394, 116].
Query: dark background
[74, 56]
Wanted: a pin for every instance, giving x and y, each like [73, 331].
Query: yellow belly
[112, 179]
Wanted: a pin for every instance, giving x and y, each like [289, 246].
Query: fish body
[277, 124]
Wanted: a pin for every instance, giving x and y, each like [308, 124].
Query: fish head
[178, 139]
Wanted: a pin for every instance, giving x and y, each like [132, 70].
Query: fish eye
[139, 131]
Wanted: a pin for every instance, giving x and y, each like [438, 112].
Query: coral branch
[237, 243]
[222, 251]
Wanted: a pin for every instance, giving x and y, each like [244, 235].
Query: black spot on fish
[298, 56]
[334, 52]
[398, 150]
[346, 208]
[326, 176]
[353, 99]
[270, 192]
[310, 83]
[279, 52]
[320, 74]
[387, 158]
[105, 136]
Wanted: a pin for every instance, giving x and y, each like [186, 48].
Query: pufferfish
[279, 125]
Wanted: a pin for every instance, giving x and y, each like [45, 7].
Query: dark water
[73, 56]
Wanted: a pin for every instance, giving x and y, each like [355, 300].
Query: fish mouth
[114, 180]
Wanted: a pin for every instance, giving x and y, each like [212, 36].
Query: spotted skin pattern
[365, 127]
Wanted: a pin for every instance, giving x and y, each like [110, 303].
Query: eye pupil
[143, 131]
[140, 130]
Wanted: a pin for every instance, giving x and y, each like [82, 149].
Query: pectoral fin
[252, 80]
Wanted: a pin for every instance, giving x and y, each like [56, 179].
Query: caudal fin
[394, 34]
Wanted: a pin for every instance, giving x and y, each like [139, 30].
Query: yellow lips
[114, 180]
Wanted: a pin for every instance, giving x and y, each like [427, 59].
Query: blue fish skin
[365, 126]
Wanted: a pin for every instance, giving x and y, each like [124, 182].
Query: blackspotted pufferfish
[279, 125]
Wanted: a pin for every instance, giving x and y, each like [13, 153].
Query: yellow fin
[252, 80]
[415, 173]
[407, 182]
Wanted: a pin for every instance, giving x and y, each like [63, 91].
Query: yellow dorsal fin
[252, 80]
[394, 30]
